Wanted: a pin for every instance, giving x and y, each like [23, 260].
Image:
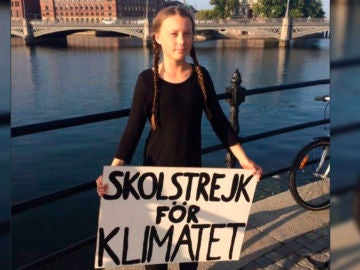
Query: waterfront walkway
[280, 235]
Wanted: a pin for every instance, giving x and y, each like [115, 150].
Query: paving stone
[304, 240]
[320, 257]
[327, 252]
[292, 260]
[300, 267]
[312, 235]
[284, 263]
[288, 264]
[327, 237]
[264, 261]
[306, 263]
[305, 251]
[316, 247]
[251, 266]
[283, 251]
[294, 245]
[323, 231]
[274, 267]
[323, 242]
[274, 256]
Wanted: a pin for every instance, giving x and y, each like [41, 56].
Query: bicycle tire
[307, 188]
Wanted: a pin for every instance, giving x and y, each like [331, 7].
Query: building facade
[29, 9]
[78, 10]
[245, 9]
[138, 8]
[91, 11]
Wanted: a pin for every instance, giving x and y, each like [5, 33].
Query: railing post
[237, 97]
[28, 31]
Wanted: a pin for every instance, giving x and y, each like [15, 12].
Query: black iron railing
[235, 95]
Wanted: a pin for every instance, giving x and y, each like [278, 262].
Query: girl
[172, 95]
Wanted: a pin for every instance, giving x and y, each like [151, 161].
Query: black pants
[183, 266]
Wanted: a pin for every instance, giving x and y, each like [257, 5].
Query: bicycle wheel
[309, 177]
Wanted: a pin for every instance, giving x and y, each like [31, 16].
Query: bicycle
[309, 175]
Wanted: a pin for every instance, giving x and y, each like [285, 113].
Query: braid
[155, 106]
[200, 77]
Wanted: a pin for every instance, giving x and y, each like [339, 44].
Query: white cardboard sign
[156, 215]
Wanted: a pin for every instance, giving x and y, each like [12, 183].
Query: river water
[55, 82]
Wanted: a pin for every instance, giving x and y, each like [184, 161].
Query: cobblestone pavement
[309, 251]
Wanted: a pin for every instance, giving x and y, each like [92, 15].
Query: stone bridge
[265, 28]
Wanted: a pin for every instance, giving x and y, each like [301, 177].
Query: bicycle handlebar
[323, 98]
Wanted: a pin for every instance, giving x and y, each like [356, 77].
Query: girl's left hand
[251, 165]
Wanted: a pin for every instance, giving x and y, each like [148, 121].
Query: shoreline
[86, 40]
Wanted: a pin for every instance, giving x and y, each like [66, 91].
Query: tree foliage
[224, 8]
[205, 14]
[297, 8]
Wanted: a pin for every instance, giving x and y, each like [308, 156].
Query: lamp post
[147, 10]
[285, 28]
[287, 8]
[146, 25]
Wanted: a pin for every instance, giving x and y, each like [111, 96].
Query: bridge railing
[235, 95]
[140, 22]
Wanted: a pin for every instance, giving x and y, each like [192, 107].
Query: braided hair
[162, 15]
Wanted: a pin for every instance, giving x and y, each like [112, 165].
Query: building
[91, 11]
[138, 8]
[78, 11]
[244, 9]
[29, 9]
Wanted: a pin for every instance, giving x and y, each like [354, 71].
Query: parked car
[104, 21]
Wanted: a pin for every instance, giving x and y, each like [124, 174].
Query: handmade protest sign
[156, 215]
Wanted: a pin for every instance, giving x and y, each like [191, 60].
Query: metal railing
[140, 21]
[235, 95]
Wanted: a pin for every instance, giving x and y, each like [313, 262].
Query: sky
[204, 4]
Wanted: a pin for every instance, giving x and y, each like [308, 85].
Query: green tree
[297, 8]
[225, 8]
[205, 15]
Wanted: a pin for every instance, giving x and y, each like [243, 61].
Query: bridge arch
[43, 32]
[267, 28]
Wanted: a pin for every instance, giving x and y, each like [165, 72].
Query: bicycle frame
[325, 175]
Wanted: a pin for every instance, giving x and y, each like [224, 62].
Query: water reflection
[282, 64]
[94, 42]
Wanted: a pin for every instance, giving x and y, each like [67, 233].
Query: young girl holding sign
[172, 96]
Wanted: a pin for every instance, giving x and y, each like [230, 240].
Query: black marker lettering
[155, 237]
[212, 239]
[103, 245]
[203, 182]
[214, 186]
[234, 186]
[235, 227]
[141, 183]
[184, 239]
[189, 185]
[116, 183]
[128, 185]
[160, 187]
[175, 181]
[201, 227]
[242, 188]
[125, 249]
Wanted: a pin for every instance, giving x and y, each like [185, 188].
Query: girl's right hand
[101, 188]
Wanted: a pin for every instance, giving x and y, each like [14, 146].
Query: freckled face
[175, 37]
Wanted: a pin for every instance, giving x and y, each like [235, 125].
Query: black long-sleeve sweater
[177, 142]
